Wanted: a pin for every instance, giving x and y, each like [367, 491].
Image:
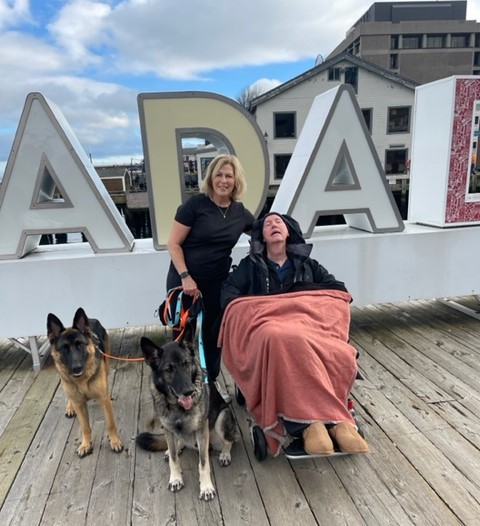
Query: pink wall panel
[467, 91]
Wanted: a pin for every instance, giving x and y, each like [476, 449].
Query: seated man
[284, 339]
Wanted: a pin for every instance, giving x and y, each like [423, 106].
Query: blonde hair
[214, 167]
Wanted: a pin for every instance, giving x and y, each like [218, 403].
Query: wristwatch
[184, 275]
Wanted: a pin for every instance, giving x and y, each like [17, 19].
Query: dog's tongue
[185, 401]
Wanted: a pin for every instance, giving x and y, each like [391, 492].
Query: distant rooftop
[414, 11]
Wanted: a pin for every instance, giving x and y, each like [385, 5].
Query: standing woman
[204, 232]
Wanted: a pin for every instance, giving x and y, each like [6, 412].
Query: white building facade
[386, 100]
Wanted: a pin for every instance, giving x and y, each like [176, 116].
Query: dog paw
[69, 410]
[175, 485]
[224, 459]
[84, 450]
[116, 445]
[207, 494]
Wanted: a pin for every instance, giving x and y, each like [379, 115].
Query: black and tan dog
[77, 352]
[193, 413]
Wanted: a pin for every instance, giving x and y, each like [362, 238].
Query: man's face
[274, 230]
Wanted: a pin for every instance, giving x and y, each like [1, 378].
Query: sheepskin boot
[348, 438]
[316, 440]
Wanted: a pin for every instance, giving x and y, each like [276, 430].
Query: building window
[396, 161]
[284, 125]
[398, 120]
[333, 73]
[356, 47]
[394, 42]
[477, 39]
[476, 59]
[435, 41]
[351, 77]
[367, 115]
[394, 61]
[460, 40]
[281, 163]
[411, 42]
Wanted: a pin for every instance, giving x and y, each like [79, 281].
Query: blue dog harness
[176, 315]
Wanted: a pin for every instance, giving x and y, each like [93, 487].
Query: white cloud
[79, 28]
[13, 12]
[187, 39]
[264, 85]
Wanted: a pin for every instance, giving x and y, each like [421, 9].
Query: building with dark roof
[385, 99]
[423, 41]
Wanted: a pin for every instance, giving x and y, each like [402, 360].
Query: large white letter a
[335, 169]
[47, 156]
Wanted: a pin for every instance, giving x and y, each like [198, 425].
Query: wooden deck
[419, 404]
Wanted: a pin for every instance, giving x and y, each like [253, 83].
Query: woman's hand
[190, 287]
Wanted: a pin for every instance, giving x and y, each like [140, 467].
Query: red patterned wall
[467, 91]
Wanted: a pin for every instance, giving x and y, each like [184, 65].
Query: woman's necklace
[223, 210]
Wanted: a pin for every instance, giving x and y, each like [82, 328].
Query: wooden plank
[26, 499]
[402, 362]
[189, 509]
[10, 360]
[464, 421]
[16, 386]
[152, 502]
[438, 347]
[111, 497]
[400, 479]
[326, 494]
[241, 501]
[454, 326]
[461, 453]
[18, 435]
[68, 499]
[447, 332]
[410, 344]
[453, 487]
[280, 490]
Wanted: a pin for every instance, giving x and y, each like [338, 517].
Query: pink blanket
[290, 357]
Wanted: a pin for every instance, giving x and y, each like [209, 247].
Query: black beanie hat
[294, 231]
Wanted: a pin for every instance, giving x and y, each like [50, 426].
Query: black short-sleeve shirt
[209, 243]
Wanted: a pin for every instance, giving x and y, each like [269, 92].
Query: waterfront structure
[423, 41]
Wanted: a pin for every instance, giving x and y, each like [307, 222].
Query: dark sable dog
[193, 413]
[77, 352]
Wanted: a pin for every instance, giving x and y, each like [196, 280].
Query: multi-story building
[385, 99]
[423, 41]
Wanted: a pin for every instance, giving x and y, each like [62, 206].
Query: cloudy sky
[92, 58]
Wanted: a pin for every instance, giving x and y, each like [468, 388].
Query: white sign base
[124, 290]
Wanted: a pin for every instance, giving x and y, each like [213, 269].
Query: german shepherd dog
[192, 412]
[77, 353]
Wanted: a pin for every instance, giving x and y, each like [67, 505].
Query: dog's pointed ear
[80, 321]
[54, 327]
[150, 351]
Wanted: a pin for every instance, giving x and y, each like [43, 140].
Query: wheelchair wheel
[239, 396]
[259, 443]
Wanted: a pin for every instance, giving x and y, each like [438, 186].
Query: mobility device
[294, 450]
